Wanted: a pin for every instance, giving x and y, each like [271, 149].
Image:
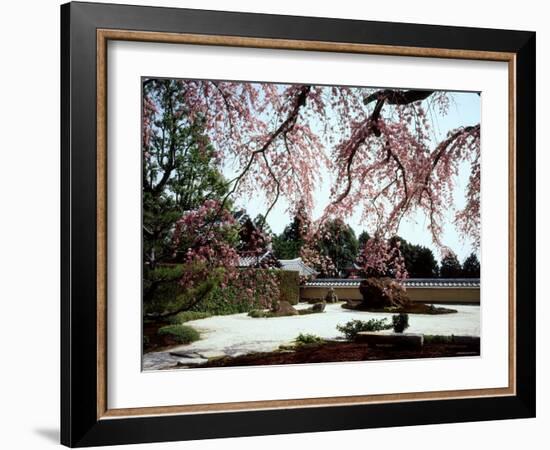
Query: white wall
[29, 220]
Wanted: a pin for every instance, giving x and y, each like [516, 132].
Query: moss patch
[186, 316]
[182, 334]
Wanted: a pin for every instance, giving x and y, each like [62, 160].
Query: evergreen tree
[471, 267]
[288, 244]
[180, 171]
[363, 238]
[338, 242]
[419, 260]
[450, 266]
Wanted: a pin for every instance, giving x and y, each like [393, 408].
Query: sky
[465, 109]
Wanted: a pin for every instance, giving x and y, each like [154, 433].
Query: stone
[380, 293]
[331, 296]
[188, 358]
[402, 340]
[212, 354]
[158, 361]
[318, 307]
[352, 304]
[184, 354]
[283, 308]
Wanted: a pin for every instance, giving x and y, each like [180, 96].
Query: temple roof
[297, 265]
[294, 265]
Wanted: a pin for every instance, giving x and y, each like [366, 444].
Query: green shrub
[162, 292]
[187, 316]
[161, 289]
[308, 339]
[351, 328]
[289, 286]
[230, 299]
[223, 301]
[400, 322]
[184, 334]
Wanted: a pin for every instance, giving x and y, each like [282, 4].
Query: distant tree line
[338, 243]
[451, 267]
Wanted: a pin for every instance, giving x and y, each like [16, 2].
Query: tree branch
[283, 129]
[386, 96]
[394, 97]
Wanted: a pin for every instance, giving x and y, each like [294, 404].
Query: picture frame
[86, 418]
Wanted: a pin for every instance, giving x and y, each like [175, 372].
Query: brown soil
[344, 351]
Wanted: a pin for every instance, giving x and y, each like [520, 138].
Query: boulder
[331, 296]
[381, 293]
[283, 308]
[352, 304]
[318, 307]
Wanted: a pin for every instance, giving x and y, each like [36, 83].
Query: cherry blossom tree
[209, 239]
[253, 240]
[381, 258]
[377, 142]
[378, 145]
[205, 242]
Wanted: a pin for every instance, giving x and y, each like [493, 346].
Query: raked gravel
[238, 334]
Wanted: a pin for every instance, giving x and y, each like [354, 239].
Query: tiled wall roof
[410, 283]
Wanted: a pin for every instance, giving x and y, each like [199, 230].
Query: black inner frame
[79, 423]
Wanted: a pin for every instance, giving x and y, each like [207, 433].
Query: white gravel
[238, 334]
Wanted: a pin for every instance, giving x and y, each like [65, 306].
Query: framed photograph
[276, 224]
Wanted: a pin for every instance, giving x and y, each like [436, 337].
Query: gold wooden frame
[104, 35]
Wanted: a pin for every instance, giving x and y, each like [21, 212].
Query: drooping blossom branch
[206, 248]
[377, 146]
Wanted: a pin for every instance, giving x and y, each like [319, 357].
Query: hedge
[222, 301]
[289, 286]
